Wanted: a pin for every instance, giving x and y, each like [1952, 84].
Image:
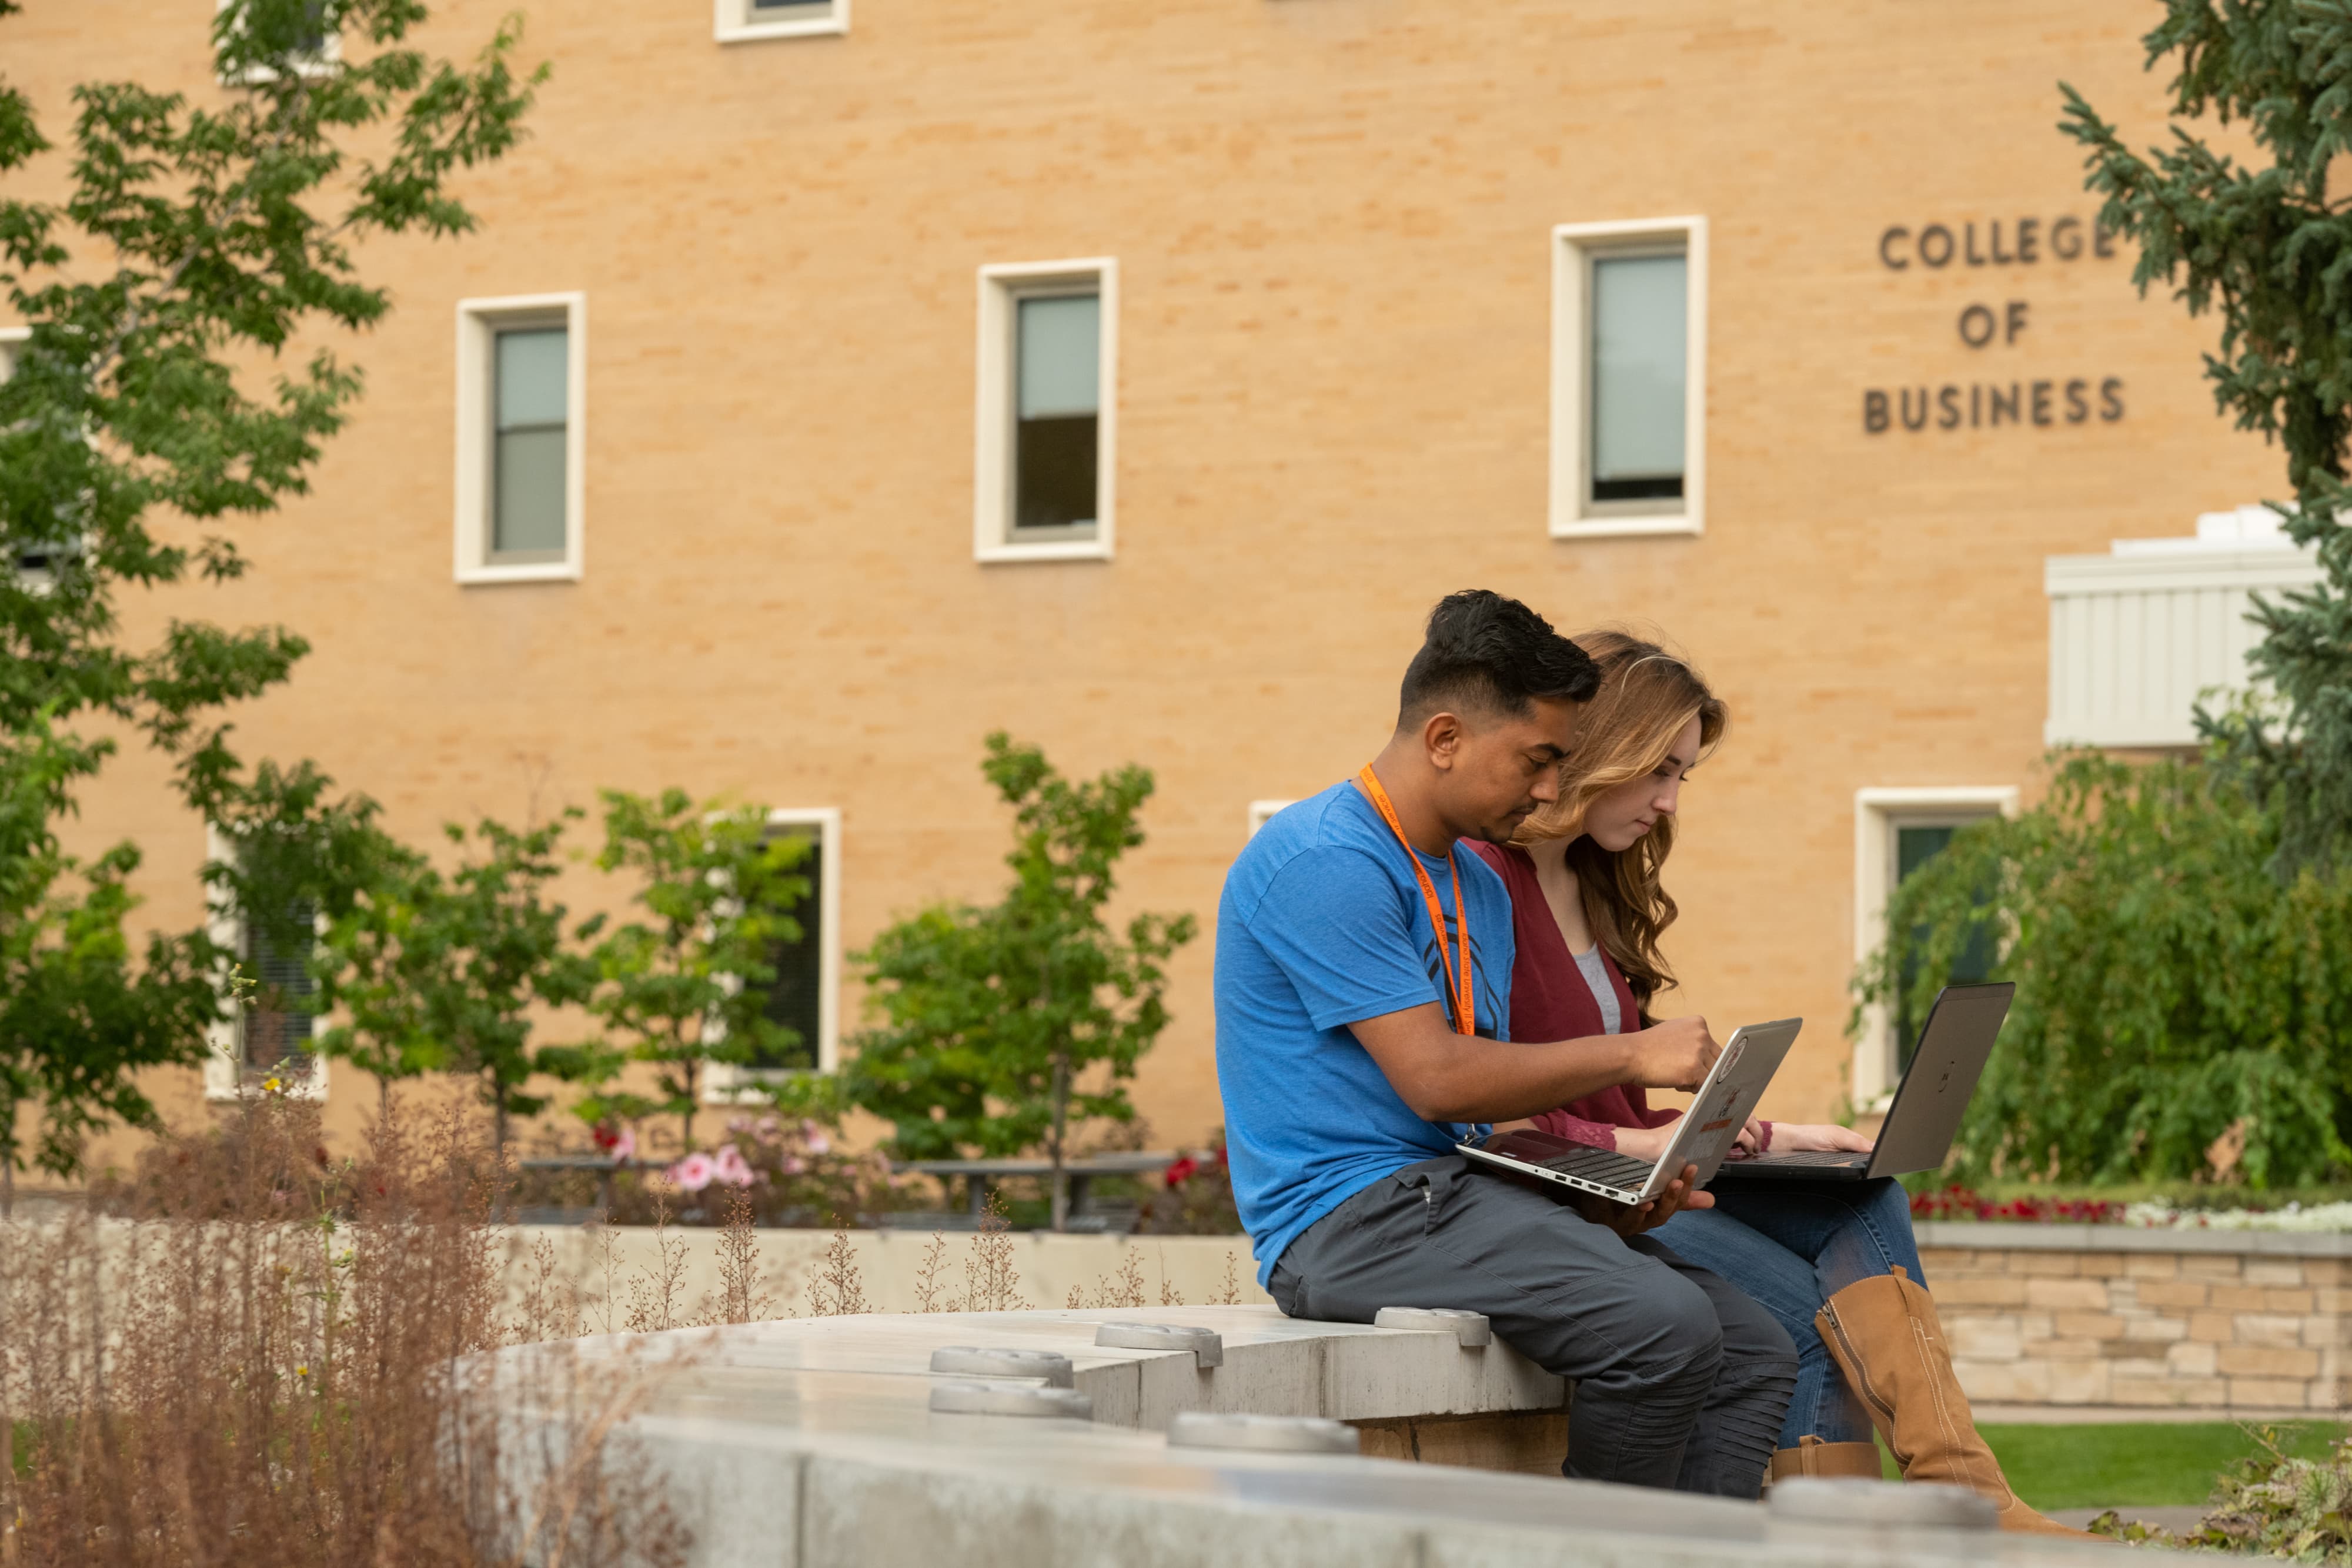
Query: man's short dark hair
[1484, 654]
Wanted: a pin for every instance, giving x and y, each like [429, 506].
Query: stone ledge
[809, 1444]
[1991, 1236]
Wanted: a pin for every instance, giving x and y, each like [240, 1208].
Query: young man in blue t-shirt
[1363, 983]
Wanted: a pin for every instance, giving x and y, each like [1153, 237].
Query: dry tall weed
[1122, 1288]
[1169, 1296]
[1231, 1295]
[743, 1298]
[839, 1288]
[551, 1307]
[989, 1276]
[657, 1293]
[274, 1360]
[608, 1259]
[927, 1278]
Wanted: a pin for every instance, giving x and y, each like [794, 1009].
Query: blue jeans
[1791, 1246]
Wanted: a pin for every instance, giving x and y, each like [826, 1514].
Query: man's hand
[1798, 1135]
[1631, 1219]
[1675, 1054]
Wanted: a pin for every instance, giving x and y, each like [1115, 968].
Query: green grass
[2148, 1464]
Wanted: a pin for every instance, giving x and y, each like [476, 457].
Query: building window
[805, 995]
[1261, 812]
[1896, 832]
[522, 402]
[321, 53]
[744, 21]
[38, 565]
[269, 1035]
[1629, 386]
[1048, 381]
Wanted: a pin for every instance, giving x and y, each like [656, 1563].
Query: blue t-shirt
[1322, 925]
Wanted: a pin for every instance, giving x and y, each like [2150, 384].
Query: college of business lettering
[1992, 326]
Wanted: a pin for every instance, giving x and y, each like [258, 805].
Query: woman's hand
[1801, 1136]
[1645, 1143]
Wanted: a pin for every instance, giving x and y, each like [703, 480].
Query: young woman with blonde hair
[1836, 1262]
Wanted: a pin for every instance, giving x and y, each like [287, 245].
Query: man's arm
[1447, 1077]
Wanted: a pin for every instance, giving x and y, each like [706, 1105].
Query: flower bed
[1965, 1203]
[1960, 1203]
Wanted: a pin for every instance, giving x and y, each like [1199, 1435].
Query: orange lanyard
[1464, 1016]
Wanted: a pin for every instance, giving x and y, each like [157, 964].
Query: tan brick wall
[2194, 1329]
[1332, 220]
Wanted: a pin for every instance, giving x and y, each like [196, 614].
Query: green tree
[2266, 243]
[996, 1016]
[442, 973]
[144, 423]
[79, 1016]
[2169, 991]
[690, 987]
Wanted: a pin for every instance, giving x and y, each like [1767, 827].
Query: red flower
[1181, 1171]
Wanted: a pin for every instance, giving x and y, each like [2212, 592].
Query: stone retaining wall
[2099, 1315]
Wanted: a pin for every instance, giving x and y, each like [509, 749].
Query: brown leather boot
[1886, 1338]
[1812, 1456]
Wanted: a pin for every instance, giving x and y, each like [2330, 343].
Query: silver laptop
[1701, 1137]
[1917, 1135]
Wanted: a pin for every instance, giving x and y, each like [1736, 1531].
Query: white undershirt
[1596, 978]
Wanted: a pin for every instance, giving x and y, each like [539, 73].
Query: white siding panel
[2136, 639]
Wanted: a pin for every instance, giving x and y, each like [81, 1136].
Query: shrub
[1011, 1027]
[2171, 994]
[1196, 1197]
[1965, 1203]
[2271, 1504]
[790, 1171]
[280, 1364]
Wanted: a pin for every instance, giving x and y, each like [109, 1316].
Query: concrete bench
[814, 1441]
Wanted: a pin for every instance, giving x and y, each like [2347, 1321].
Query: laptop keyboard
[1602, 1166]
[1816, 1157]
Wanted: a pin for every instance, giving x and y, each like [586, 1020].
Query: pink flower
[792, 1165]
[692, 1174]
[625, 1145]
[770, 1127]
[731, 1167]
[818, 1143]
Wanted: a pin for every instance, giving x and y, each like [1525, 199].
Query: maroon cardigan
[1549, 1000]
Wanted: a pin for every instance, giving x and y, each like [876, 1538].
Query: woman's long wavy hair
[1647, 694]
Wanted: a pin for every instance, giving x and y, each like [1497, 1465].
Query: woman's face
[1618, 820]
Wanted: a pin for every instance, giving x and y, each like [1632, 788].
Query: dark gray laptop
[1954, 1045]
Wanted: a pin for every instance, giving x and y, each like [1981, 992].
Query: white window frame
[728, 24]
[225, 1074]
[729, 1084]
[9, 336]
[325, 64]
[1000, 284]
[1573, 248]
[1877, 814]
[1261, 812]
[478, 321]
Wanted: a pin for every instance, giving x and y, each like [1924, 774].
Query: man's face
[1495, 769]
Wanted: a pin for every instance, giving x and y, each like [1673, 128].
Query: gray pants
[1680, 1381]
